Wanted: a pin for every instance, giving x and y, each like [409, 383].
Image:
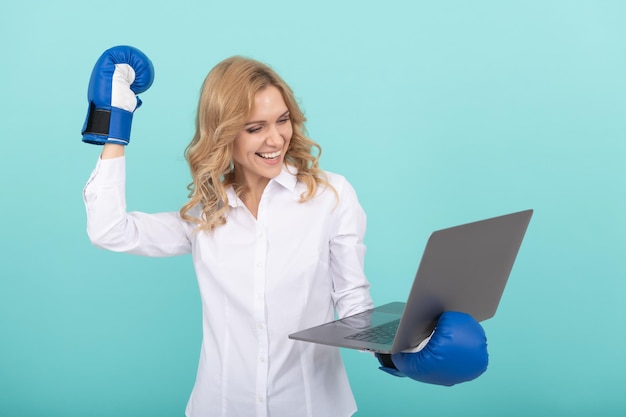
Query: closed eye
[284, 118]
[254, 129]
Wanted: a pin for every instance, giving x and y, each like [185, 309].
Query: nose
[274, 136]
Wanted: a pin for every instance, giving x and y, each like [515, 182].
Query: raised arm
[119, 75]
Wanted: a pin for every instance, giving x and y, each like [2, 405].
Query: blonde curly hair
[225, 103]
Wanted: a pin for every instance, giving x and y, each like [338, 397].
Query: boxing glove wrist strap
[385, 360]
[107, 125]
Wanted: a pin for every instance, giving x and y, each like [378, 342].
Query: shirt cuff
[109, 171]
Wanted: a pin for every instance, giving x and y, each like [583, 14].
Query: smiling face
[259, 150]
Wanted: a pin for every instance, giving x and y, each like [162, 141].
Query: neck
[252, 200]
[252, 193]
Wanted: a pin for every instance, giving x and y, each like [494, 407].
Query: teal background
[438, 113]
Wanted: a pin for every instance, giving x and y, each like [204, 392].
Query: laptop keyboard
[384, 333]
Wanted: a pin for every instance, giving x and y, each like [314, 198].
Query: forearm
[112, 150]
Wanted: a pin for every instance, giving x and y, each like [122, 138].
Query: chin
[275, 172]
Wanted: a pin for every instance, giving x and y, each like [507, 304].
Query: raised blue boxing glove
[119, 75]
[455, 353]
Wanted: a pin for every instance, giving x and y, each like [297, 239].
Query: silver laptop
[463, 268]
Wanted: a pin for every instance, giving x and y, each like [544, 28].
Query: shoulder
[339, 182]
[329, 185]
[334, 178]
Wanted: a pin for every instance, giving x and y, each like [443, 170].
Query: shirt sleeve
[347, 254]
[110, 227]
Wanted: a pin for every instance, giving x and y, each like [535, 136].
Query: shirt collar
[287, 179]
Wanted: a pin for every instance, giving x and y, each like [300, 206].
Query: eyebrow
[263, 121]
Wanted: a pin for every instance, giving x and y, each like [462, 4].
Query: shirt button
[262, 359]
[261, 399]
[260, 326]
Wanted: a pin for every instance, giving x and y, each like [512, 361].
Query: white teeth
[269, 155]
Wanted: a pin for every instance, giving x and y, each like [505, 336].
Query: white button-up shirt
[293, 267]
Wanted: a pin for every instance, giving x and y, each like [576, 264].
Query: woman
[277, 243]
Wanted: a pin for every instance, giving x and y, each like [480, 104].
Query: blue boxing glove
[455, 353]
[119, 75]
